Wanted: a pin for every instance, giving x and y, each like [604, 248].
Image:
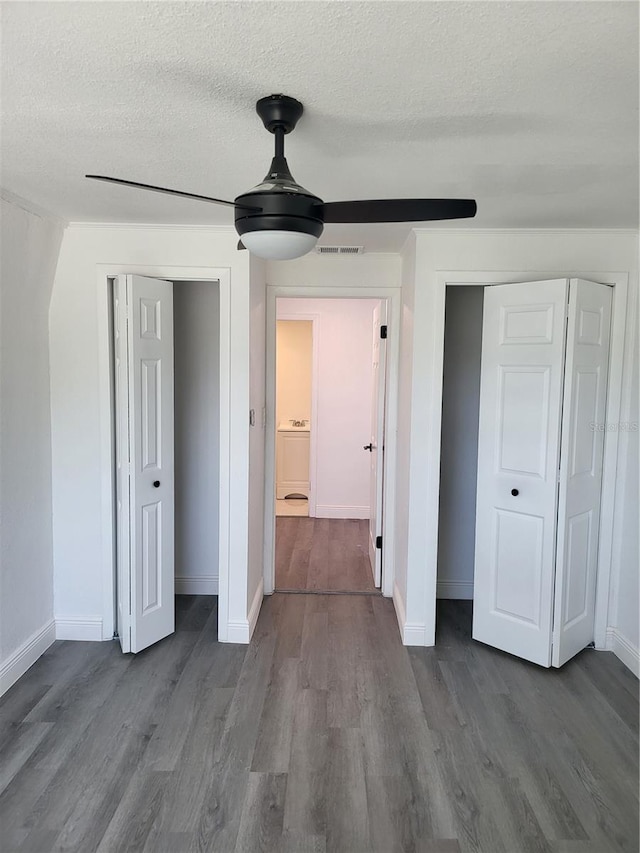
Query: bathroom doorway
[329, 444]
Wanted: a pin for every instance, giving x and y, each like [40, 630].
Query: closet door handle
[156, 484]
[515, 492]
[368, 447]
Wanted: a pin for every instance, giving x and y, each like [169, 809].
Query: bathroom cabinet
[292, 461]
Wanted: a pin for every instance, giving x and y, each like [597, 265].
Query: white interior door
[376, 443]
[121, 381]
[521, 388]
[581, 453]
[145, 454]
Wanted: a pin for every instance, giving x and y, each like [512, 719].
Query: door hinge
[378, 541]
[383, 332]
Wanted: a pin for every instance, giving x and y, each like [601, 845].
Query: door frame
[620, 284]
[314, 319]
[229, 532]
[392, 296]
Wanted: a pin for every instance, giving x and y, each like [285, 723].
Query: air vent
[339, 250]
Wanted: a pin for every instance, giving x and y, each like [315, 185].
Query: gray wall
[459, 458]
[30, 247]
[197, 348]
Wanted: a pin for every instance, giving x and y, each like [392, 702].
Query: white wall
[403, 470]
[196, 323]
[623, 634]
[294, 363]
[82, 531]
[344, 383]
[257, 402]
[30, 246]
[535, 254]
[326, 271]
[459, 448]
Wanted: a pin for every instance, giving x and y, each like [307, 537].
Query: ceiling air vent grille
[339, 250]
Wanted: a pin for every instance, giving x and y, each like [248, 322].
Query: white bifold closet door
[143, 348]
[543, 390]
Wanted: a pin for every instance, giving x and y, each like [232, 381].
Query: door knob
[515, 492]
[156, 483]
[368, 447]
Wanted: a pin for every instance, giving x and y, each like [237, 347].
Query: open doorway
[329, 444]
[166, 411]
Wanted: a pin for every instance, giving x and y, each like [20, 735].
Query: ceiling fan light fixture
[279, 245]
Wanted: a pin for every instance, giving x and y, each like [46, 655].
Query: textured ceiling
[530, 107]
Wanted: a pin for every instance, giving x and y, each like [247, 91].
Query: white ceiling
[529, 107]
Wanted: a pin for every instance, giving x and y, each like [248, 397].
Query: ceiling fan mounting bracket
[279, 111]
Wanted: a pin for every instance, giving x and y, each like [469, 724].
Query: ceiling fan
[281, 220]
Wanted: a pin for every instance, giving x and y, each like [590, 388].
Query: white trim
[197, 585]
[254, 610]
[435, 332]
[444, 231]
[31, 207]
[393, 298]
[337, 511]
[314, 319]
[242, 630]
[154, 226]
[221, 275]
[415, 634]
[454, 589]
[411, 633]
[624, 650]
[399, 608]
[15, 666]
[89, 628]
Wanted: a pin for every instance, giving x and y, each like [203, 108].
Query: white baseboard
[26, 655]
[254, 610]
[242, 630]
[197, 585]
[454, 589]
[623, 649]
[399, 608]
[325, 511]
[412, 633]
[88, 628]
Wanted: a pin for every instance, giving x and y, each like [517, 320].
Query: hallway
[323, 735]
[328, 554]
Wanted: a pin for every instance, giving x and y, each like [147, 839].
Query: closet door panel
[518, 456]
[584, 407]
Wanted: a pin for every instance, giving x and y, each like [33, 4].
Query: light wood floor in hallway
[328, 554]
[324, 735]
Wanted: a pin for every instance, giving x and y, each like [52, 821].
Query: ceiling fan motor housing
[281, 210]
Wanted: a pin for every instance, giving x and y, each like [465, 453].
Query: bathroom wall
[294, 353]
[196, 309]
[344, 386]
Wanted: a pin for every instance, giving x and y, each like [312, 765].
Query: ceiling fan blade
[165, 190]
[398, 210]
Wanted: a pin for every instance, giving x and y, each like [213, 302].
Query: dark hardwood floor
[329, 554]
[323, 735]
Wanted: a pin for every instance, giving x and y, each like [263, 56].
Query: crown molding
[31, 207]
[633, 231]
[155, 226]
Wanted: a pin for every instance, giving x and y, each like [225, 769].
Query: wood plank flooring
[329, 554]
[323, 735]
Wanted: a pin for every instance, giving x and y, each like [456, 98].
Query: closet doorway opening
[329, 448]
[525, 379]
[166, 393]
